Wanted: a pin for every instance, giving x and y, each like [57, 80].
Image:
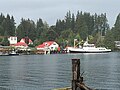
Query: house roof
[21, 44]
[48, 43]
[41, 46]
[23, 39]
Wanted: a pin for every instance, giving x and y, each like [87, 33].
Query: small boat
[13, 53]
[88, 48]
[4, 54]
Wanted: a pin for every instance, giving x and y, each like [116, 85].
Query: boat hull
[13, 54]
[72, 51]
[89, 50]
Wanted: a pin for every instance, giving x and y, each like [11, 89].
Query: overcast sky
[51, 10]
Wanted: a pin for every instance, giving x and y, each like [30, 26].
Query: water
[46, 72]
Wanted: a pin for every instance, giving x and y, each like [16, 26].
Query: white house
[52, 45]
[12, 40]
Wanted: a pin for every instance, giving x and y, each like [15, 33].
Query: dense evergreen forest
[79, 26]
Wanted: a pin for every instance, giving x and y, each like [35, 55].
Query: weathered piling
[77, 79]
[75, 73]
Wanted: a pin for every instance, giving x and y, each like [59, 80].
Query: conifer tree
[117, 28]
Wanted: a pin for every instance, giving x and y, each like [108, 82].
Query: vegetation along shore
[79, 26]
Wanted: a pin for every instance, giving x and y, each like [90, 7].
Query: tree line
[79, 26]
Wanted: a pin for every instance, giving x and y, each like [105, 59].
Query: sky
[51, 10]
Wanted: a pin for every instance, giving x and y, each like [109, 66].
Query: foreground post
[77, 81]
[75, 73]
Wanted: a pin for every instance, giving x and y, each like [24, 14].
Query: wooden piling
[75, 72]
[77, 79]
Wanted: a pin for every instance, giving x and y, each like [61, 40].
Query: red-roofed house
[21, 45]
[51, 45]
[26, 40]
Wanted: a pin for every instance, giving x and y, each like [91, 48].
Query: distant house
[117, 44]
[26, 40]
[21, 45]
[51, 45]
[12, 40]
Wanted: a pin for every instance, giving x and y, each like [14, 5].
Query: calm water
[46, 72]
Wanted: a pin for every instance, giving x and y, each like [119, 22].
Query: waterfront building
[26, 40]
[52, 45]
[21, 45]
[12, 40]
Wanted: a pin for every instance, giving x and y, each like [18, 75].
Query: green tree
[89, 20]
[2, 17]
[68, 20]
[60, 26]
[117, 28]
[51, 35]
[43, 36]
[8, 25]
[5, 42]
[40, 27]
[109, 40]
[100, 24]
[81, 26]
[26, 29]
[1, 31]
[73, 22]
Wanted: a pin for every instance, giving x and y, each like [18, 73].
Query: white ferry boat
[87, 48]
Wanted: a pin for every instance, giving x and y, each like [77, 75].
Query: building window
[11, 38]
[14, 38]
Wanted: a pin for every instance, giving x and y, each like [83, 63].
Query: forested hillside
[79, 26]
